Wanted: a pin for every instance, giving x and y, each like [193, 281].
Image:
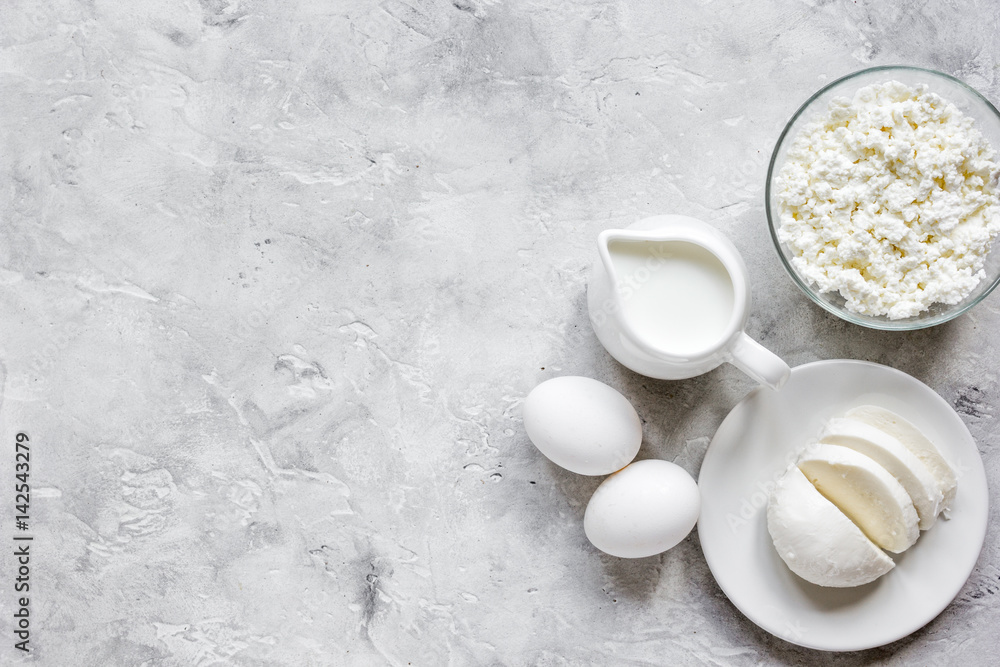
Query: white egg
[642, 510]
[582, 425]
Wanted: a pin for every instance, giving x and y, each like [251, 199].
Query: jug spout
[624, 284]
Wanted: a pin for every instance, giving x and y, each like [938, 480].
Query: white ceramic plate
[750, 451]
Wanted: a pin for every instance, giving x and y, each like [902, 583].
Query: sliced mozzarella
[865, 492]
[890, 453]
[816, 540]
[911, 438]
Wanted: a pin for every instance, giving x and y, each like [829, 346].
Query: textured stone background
[276, 277]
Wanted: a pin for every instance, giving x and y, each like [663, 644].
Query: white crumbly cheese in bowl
[890, 199]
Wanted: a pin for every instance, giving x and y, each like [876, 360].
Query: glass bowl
[969, 102]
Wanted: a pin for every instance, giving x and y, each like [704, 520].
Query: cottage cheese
[891, 199]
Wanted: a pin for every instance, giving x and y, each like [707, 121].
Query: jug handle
[759, 362]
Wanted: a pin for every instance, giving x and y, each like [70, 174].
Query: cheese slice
[816, 540]
[911, 438]
[865, 492]
[890, 453]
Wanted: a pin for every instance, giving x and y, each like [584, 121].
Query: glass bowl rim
[872, 322]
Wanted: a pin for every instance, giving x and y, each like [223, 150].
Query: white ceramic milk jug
[669, 298]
